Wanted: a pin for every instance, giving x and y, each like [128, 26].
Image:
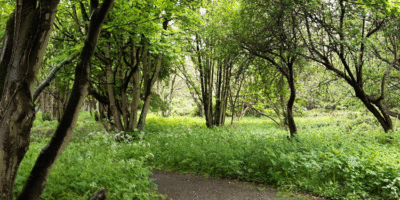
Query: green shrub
[326, 158]
[47, 117]
[195, 112]
[91, 164]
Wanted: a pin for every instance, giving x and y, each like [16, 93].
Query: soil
[178, 186]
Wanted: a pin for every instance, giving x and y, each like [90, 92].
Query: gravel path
[191, 187]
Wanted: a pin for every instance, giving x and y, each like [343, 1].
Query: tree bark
[46, 101]
[49, 154]
[130, 119]
[111, 94]
[99, 195]
[135, 101]
[233, 101]
[206, 80]
[149, 82]
[223, 88]
[20, 59]
[289, 111]
[52, 75]
[380, 112]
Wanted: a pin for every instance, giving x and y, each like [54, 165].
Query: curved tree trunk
[20, 59]
[52, 151]
[289, 117]
[380, 112]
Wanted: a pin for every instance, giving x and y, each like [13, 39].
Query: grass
[341, 158]
[339, 155]
[92, 161]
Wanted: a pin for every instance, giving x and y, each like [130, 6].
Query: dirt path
[190, 187]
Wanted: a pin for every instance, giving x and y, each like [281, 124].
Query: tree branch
[261, 113]
[52, 75]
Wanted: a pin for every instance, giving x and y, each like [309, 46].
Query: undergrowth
[92, 163]
[340, 158]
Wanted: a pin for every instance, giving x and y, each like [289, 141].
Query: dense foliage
[333, 156]
[93, 160]
[325, 74]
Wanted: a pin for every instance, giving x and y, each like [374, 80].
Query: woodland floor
[178, 186]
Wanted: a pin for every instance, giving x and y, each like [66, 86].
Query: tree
[339, 35]
[214, 53]
[20, 59]
[192, 85]
[275, 39]
[25, 40]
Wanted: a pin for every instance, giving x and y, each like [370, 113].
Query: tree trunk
[52, 75]
[47, 101]
[149, 82]
[384, 118]
[145, 109]
[232, 105]
[222, 87]
[195, 93]
[124, 101]
[99, 195]
[135, 101]
[58, 109]
[111, 94]
[219, 96]
[198, 103]
[289, 112]
[206, 80]
[49, 154]
[170, 96]
[20, 59]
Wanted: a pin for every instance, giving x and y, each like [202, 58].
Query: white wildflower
[131, 162]
[93, 185]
